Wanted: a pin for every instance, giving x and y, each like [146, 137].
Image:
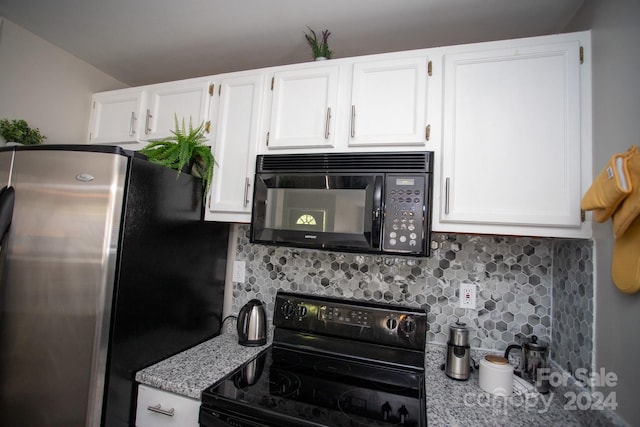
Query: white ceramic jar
[496, 375]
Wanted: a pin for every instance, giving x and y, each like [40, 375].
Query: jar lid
[498, 360]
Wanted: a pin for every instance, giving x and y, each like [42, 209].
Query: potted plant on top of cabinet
[18, 131]
[319, 48]
[184, 151]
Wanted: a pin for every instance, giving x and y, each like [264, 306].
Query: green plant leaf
[184, 146]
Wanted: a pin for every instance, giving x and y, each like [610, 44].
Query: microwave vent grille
[346, 162]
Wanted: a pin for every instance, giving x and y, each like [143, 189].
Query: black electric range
[334, 362]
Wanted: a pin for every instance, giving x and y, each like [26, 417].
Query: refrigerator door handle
[7, 200]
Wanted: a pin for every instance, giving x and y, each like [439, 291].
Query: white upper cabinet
[115, 116]
[146, 113]
[188, 100]
[388, 102]
[516, 142]
[356, 104]
[509, 123]
[303, 108]
[236, 126]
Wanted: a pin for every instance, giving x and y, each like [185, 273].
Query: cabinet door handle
[158, 409]
[246, 192]
[353, 121]
[147, 129]
[131, 122]
[446, 196]
[326, 123]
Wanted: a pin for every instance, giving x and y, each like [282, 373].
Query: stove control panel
[329, 313]
[366, 321]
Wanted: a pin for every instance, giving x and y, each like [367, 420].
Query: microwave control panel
[404, 216]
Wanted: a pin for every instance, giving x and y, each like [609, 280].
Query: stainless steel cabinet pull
[147, 129]
[246, 192]
[133, 119]
[353, 121]
[158, 409]
[326, 123]
[446, 196]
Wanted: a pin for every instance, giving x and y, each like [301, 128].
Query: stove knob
[391, 323]
[287, 309]
[408, 325]
[402, 414]
[301, 311]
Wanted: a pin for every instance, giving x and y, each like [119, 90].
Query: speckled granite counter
[190, 372]
[449, 402]
[464, 403]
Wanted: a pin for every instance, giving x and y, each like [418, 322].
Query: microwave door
[318, 210]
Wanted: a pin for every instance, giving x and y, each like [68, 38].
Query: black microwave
[362, 202]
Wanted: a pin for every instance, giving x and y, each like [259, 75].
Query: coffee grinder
[457, 365]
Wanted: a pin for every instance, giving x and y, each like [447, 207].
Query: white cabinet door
[512, 139]
[235, 150]
[388, 102]
[188, 100]
[303, 108]
[158, 408]
[115, 116]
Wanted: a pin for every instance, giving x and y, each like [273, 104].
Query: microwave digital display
[405, 181]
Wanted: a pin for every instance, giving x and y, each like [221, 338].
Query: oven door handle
[213, 418]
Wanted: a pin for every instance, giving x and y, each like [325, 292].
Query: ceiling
[149, 41]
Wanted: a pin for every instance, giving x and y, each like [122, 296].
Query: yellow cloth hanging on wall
[615, 193]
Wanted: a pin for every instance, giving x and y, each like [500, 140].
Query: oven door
[328, 211]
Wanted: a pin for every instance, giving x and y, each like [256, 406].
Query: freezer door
[56, 290]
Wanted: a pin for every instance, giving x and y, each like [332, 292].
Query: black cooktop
[333, 363]
[283, 387]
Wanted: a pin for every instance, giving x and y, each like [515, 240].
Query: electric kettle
[252, 324]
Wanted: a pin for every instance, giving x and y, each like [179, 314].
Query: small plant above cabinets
[354, 103]
[147, 113]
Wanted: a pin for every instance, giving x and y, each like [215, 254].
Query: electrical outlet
[467, 295]
[238, 271]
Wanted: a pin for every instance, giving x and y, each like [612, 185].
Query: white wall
[615, 29]
[47, 86]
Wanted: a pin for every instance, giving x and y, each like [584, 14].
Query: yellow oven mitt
[625, 267]
[629, 209]
[609, 188]
[615, 193]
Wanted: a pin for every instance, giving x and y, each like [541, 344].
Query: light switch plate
[467, 295]
[238, 271]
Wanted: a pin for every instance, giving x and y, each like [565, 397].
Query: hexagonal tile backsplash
[513, 276]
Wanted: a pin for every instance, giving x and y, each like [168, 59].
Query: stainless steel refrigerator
[106, 267]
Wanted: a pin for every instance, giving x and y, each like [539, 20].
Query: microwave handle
[377, 214]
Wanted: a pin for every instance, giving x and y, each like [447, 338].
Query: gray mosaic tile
[513, 276]
[573, 312]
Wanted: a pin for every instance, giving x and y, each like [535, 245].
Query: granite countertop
[192, 371]
[449, 402]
